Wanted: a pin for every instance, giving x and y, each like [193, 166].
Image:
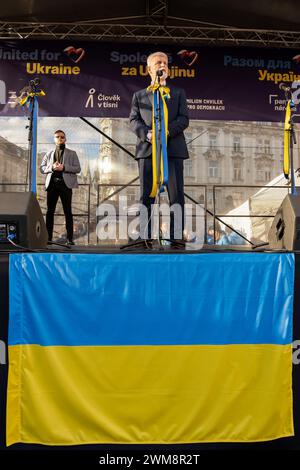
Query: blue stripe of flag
[153, 299]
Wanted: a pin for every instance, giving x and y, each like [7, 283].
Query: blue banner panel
[214, 298]
[95, 79]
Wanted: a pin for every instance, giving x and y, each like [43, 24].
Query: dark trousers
[175, 191]
[54, 191]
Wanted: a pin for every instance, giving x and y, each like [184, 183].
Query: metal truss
[157, 8]
[151, 29]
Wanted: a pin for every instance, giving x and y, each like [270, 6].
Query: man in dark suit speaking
[141, 124]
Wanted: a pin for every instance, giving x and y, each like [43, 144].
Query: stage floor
[190, 248]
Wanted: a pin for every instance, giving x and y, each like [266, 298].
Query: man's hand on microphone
[149, 137]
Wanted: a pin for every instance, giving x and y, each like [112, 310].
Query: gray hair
[154, 54]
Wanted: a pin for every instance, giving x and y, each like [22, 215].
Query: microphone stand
[31, 100]
[157, 120]
[292, 140]
[32, 104]
[157, 243]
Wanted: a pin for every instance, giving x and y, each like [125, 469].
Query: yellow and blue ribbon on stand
[162, 159]
[31, 101]
[287, 136]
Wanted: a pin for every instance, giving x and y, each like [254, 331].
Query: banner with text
[98, 79]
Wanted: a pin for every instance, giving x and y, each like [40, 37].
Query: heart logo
[74, 54]
[296, 58]
[189, 57]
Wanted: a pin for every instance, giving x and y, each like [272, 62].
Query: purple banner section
[98, 79]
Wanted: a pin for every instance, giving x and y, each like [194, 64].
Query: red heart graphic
[75, 54]
[193, 56]
[189, 58]
[79, 51]
[296, 58]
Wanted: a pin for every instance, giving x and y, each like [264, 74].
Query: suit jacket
[141, 122]
[71, 163]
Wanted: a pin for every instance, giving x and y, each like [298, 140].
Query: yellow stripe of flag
[149, 394]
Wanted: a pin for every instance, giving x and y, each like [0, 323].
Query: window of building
[213, 169]
[267, 175]
[236, 143]
[237, 170]
[188, 167]
[263, 174]
[267, 146]
[259, 146]
[131, 195]
[213, 141]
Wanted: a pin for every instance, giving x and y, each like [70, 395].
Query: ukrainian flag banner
[158, 348]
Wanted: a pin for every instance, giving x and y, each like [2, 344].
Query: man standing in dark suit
[141, 124]
[61, 167]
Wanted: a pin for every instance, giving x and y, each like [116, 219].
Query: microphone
[35, 82]
[284, 87]
[159, 73]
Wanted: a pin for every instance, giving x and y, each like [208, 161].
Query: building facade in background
[222, 154]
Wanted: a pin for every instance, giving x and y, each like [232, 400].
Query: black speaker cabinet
[22, 221]
[285, 230]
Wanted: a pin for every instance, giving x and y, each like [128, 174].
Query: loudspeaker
[285, 229]
[21, 220]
